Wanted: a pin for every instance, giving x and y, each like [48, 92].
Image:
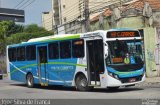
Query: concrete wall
[156, 18]
[150, 46]
[131, 22]
[96, 26]
[157, 51]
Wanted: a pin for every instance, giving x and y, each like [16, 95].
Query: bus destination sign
[122, 34]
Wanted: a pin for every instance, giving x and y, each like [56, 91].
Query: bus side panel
[18, 70]
[31, 67]
[61, 71]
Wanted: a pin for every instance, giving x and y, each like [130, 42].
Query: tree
[11, 33]
[30, 31]
[6, 29]
[9, 27]
[33, 28]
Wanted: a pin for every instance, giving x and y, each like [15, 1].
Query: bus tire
[82, 83]
[30, 80]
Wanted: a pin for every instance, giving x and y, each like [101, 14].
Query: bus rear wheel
[30, 81]
[82, 83]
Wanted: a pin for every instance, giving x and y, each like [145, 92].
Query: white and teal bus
[105, 59]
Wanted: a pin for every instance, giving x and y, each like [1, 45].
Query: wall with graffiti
[157, 50]
[150, 46]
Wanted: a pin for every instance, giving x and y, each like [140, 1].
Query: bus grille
[127, 80]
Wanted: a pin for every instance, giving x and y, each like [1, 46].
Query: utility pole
[86, 15]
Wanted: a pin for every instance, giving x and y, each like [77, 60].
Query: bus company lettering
[62, 68]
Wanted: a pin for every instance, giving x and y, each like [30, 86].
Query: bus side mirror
[105, 50]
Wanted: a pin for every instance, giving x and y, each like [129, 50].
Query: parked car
[1, 74]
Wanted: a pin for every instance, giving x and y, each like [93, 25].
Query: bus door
[95, 60]
[42, 65]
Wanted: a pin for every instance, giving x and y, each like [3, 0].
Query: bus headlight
[116, 76]
[113, 75]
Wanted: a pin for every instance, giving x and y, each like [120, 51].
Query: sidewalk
[152, 80]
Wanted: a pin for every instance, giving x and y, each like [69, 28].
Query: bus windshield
[125, 52]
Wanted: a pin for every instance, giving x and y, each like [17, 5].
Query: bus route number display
[122, 34]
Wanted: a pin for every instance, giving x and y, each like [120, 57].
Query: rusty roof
[155, 4]
[107, 12]
[136, 4]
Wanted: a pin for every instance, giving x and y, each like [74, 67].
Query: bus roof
[55, 37]
[47, 39]
[66, 37]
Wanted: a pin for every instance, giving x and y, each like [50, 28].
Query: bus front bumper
[112, 82]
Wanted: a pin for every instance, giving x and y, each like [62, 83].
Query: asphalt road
[11, 89]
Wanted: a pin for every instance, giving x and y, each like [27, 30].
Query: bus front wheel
[30, 80]
[82, 83]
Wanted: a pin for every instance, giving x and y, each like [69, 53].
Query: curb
[5, 75]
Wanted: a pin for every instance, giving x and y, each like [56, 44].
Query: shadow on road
[98, 90]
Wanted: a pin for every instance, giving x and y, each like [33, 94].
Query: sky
[33, 12]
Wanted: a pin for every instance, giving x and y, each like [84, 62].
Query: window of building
[65, 19]
[31, 52]
[20, 53]
[53, 51]
[78, 48]
[12, 54]
[65, 49]
[64, 6]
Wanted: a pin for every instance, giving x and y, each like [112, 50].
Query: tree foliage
[6, 29]
[11, 33]
[9, 27]
[30, 31]
[33, 28]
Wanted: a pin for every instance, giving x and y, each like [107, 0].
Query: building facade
[71, 14]
[48, 20]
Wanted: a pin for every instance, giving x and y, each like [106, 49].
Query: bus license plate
[132, 80]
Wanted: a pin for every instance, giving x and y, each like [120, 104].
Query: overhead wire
[29, 4]
[69, 11]
[23, 3]
[19, 3]
[26, 4]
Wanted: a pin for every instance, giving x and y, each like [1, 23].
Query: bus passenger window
[42, 54]
[20, 53]
[78, 48]
[53, 51]
[31, 52]
[12, 54]
[65, 49]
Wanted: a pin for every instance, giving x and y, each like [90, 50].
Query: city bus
[102, 59]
